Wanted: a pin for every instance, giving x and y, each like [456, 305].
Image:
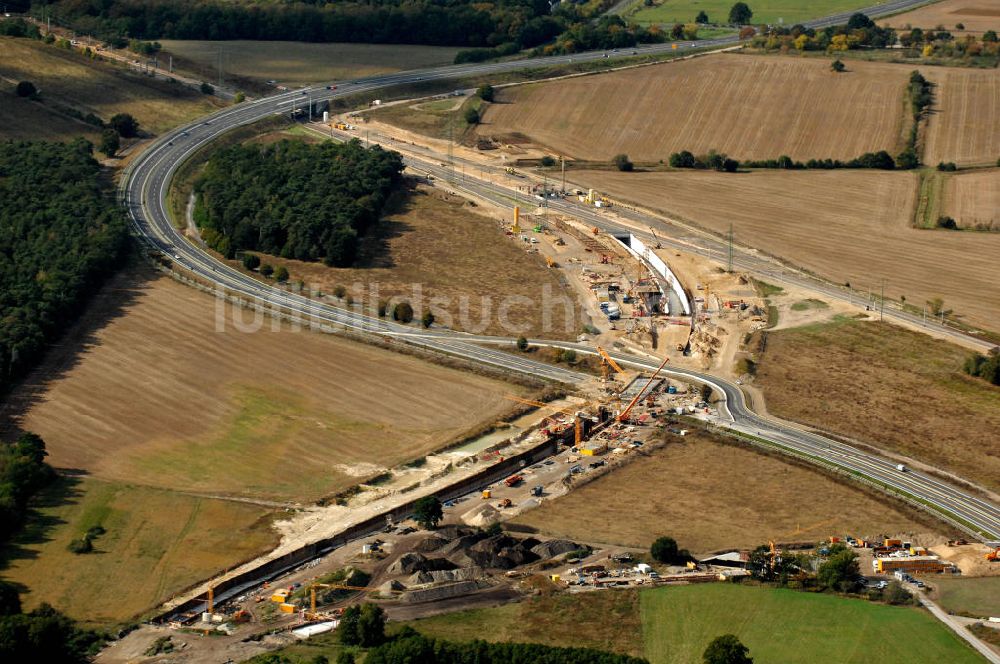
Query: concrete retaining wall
[638, 249]
[236, 585]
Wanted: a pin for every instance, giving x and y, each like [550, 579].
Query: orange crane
[334, 586]
[622, 416]
[577, 422]
[608, 363]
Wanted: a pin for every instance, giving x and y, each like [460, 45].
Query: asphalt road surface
[144, 192]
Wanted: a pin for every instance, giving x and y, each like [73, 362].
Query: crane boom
[628, 409]
[610, 360]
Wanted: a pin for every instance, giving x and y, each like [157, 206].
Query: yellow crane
[577, 422]
[608, 363]
[333, 586]
[628, 409]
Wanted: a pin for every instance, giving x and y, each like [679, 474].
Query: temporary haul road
[144, 191]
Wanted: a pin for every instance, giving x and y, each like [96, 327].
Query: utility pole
[451, 153]
[219, 66]
[881, 310]
[730, 270]
[562, 158]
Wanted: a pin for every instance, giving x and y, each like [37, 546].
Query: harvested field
[964, 117]
[795, 106]
[875, 383]
[178, 394]
[489, 277]
[780, 625]
[802, 217]
[70, 79]
[973, 199]
[717, 496]
[156, 543]
[976, 15]
[298, 63]
[973, 597]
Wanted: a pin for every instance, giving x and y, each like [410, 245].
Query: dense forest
[410, 646]
[42, 635]
[61, 234]
[295, 200]
[438, 22]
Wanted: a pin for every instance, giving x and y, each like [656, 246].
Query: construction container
[888, 543]
[487, 494]
[279, 596]
[288, 608]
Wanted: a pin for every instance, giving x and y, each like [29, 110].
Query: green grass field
[157, 543]
[673, 625]
[767, 11]
[789, 626]
[978, 597]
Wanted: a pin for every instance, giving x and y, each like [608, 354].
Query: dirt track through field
[964, 125]
[846, 226]
[158, 396]
[746, 106]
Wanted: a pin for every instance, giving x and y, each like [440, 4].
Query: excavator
[994, 555]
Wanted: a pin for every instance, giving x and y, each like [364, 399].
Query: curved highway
[144, 194]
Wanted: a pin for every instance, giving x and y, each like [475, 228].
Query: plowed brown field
[847, 226]
[975, 15]
[161, 396]
[966, 114]
[746, 106]
[973, 198]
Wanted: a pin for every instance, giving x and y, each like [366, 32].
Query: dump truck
[513, 480]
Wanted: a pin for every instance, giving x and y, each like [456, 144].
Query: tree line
[61, 235]
[411, 646]
[436, 22]
[43, 634]
[295, 200]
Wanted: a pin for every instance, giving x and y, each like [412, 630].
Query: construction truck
[513, 480]
[994, 555]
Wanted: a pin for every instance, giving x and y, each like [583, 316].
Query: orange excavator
[994, 555]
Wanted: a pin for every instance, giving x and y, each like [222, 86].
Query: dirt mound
[408, 563]
[484, 515]
[554, 548]
[429, 544]
[501, 552]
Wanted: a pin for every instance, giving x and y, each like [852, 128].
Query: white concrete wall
[637, 248]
